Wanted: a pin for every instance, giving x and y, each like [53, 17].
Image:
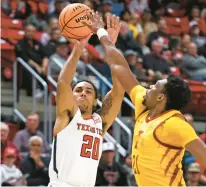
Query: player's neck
[86, 116]
[156, 111]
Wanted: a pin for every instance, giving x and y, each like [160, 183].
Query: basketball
[70, 21]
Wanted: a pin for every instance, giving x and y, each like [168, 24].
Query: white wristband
[101, 32]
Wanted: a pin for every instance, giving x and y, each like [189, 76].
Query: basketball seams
[74, 34]
[72, 18]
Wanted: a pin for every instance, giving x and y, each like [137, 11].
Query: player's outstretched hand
[80, 43]
[113, 27]
[96, 21]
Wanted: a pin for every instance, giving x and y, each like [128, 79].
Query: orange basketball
[70, 21]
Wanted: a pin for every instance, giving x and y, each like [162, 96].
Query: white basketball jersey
[76, 151]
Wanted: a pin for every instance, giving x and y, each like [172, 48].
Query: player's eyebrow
[89, 88]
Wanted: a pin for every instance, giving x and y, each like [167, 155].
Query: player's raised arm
[113, 57]
[113, 99]
[198, 150]
[64, 99]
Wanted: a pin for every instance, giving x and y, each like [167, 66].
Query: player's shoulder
[96, 115]
[177, 122]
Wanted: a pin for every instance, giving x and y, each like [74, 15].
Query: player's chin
[83, 107]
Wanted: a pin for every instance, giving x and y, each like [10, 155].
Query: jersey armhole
[161, 142]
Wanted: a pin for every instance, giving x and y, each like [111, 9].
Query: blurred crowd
[157, 38]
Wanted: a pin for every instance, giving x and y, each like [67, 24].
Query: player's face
[84, 95]
[155, 94]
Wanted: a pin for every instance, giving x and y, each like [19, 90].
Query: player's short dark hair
[90, 82]
[178, 93]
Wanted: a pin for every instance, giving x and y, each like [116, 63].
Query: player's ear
[161, 97]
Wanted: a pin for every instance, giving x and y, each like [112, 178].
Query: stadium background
[157, 38]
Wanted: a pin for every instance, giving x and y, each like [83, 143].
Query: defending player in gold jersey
[161, 134]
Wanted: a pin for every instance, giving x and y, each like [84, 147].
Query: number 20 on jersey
[90, 147]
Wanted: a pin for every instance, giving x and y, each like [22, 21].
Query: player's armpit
[198, 150]
[65, 100]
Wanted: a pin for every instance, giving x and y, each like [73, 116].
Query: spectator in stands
[109, 172]
[160, 35]
[53, 26]
[35, 164]
[138, 6]
[10, 174]
[59, 6]
[186, 40]
[134, 26]
[125, 15]
[194, 65]
[195, 35]
[142, 39]
[147, 23]
[50, 48]
[134, 62]
[195, 16]
[154, 62]
[6, 143]
[193, 175]
[131, 57]
[21, 11]
[31, 51]
[125, 40]
[106, 6]
[22, 137]
[128, 167]
[61, 55]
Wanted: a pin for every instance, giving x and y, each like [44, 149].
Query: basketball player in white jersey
[78, 131]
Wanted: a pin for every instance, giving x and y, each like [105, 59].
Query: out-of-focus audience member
[31, 51]
[142, 39]
[50, 48]
[193, 175]
[135, 64]
[154, 62]
[160, 35]
[34, 164]
[128, 167]
[59, 6]
[21, 140]
[5, 142]
[194, 65]
[10, 174]
[134, 26]
[137, 7]
[109, 172]
[195, 16]
[125, 40]
[46, 36]
[195, 35]
[106, 6]
[185, 41]
[21, 11]
[148, 24]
